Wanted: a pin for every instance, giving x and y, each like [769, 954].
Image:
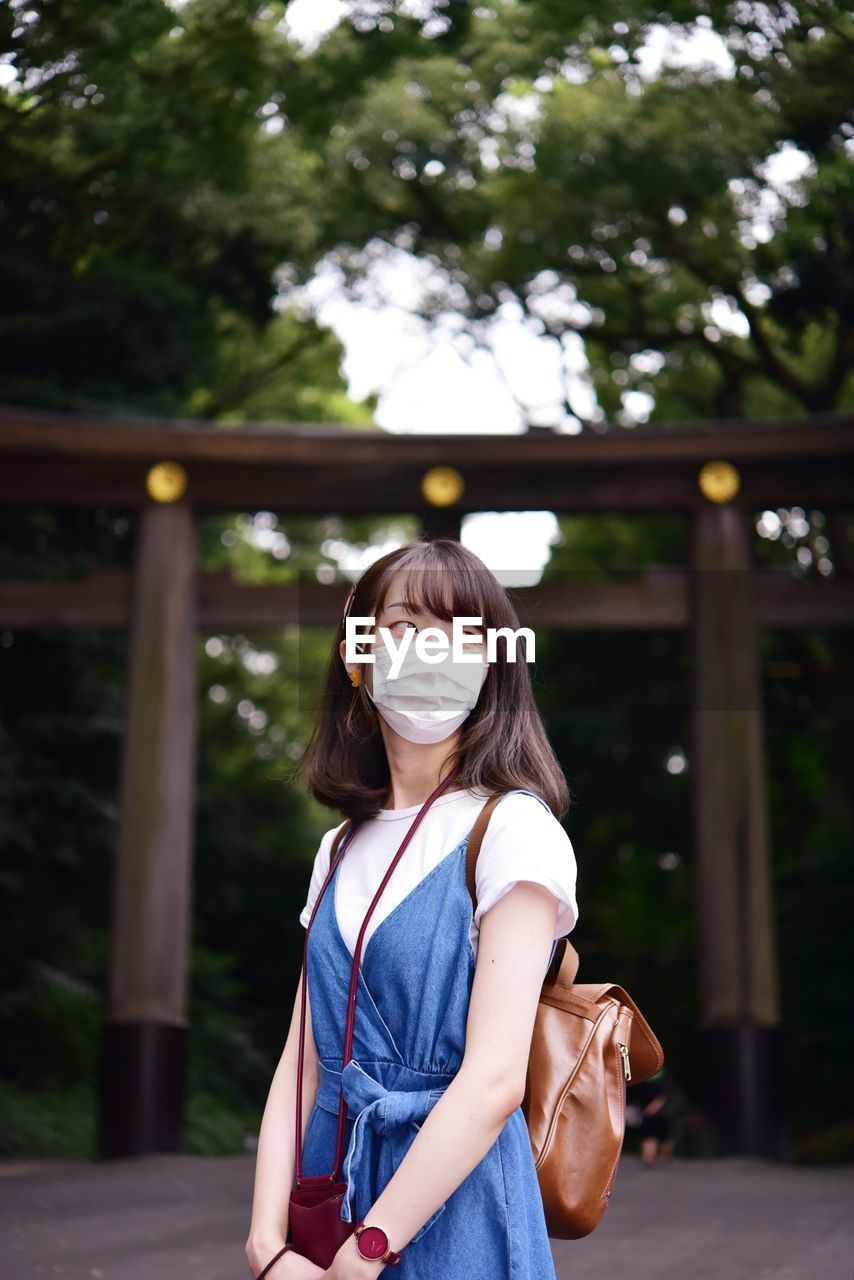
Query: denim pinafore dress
[412, 1003]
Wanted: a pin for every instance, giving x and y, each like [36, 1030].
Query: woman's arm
[274, 1163]
[514, 944]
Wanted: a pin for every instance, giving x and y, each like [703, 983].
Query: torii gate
[714, 474]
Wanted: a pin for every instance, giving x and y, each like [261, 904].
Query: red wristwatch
[372, 1242]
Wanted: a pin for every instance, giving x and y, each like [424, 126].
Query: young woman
[439, 1160]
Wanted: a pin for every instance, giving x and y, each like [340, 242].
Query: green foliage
[55, 1122]
[144, 217]
[213, 1129]
[170, 176]
[58, 1019]
[528, 156]
[168, 172]
[809, 700]
[618, 545]
[616, 712]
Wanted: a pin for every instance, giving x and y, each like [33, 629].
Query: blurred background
[533, 221]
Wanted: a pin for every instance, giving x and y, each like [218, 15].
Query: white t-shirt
[523, 841]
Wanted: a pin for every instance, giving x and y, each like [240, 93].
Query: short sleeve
[319, 872]
[525, 841]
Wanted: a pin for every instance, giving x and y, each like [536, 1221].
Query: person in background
[647, 1101]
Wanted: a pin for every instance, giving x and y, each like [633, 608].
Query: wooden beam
[657, 600]
[61, 434]
[392, 485]
[100, 599]
[57, 460]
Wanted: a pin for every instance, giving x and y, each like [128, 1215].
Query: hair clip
[349, 601]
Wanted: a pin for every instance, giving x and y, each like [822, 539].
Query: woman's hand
[291, 1265]
[348, 1264]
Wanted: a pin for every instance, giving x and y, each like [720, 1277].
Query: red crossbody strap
[345, 833]
[273, 1260]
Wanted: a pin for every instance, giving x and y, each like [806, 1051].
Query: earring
[355, 677]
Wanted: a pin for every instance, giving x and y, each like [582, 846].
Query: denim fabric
[412, 1002]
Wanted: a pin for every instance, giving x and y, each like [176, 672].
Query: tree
[680, 238]
[142, 223]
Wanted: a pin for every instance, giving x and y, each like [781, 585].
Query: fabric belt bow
[393, 1114]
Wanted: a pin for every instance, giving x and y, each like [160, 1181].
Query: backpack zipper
[625, 1075]
[626, 1067]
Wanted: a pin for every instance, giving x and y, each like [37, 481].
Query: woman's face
[399, 618]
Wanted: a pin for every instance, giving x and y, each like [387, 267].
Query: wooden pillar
[442, 522]
[740, 1041]
[145, 1037]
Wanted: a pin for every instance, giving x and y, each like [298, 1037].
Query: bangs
[447, 591]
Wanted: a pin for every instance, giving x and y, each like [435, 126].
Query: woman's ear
[348, 666]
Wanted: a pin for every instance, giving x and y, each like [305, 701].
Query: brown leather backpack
[589, 1040]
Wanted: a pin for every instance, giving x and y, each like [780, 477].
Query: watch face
[372, 1242]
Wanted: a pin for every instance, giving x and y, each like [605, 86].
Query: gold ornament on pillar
[719, 481]
[442, 486]
[166, 482]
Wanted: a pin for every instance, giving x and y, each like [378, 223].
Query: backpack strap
[564, 961]
[478, 831]
[343, 830]
[339, 836]
[475, 841]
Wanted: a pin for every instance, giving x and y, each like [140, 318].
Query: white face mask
[425, 702]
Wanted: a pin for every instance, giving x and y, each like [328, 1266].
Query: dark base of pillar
[143, 1072]
[741, 1075]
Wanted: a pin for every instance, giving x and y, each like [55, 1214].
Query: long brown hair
[502, 744]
